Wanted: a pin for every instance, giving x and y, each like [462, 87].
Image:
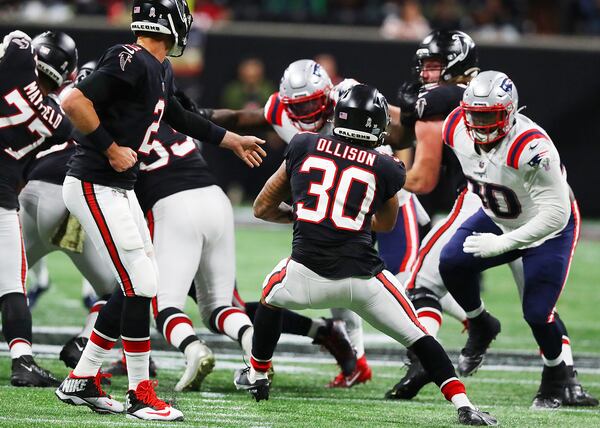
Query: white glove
[485, 245]
[18, 34]
[341, 88]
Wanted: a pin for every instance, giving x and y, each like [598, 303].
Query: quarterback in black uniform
[341, 190]
[30, 119]
[118, 109]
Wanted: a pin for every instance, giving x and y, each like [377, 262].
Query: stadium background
[551, 51]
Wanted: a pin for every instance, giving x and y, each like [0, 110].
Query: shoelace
[146, 394]
[98, 383]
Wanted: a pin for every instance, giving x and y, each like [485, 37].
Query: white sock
[567, 352]
[317, 323]
[246, 341]
[90, 321]
[461, 400]
[431, 319]
[452, 308]
[553, 363]
[138, 368]
[253, 375]
[230, 321]
[94, 354]
[177, 328]
[19, 347]
[475, 313]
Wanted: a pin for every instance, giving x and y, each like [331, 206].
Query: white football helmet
[489, 106]
[304, 92]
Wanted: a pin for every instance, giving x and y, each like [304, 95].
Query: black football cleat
[334, 337]
[482, 331]
[259, 389]
[475, 417]
[415, 378]
[86, 391]
[26, 372]
[573, 393]
[70, 354]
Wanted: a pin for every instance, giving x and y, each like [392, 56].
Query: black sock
[267, 329]
[109, 317]
[433, 359]
[549, 339]
[16, 317]
[135, 317]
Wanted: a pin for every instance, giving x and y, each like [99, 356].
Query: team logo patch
[540, 160]
[124, 59]
[369, 123]
[152, 13]
[420, 106]
[343, 115]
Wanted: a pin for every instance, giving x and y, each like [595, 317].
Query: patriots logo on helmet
[506, 85]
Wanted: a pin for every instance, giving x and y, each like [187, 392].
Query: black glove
[407, 97]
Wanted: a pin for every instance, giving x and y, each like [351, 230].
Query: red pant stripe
[401, 300]
[92, 202]
[18, 340]
[427, 248]
[150, 222]
[23, 261]
[275, 279]
[223, 316]
[431, 314]
[174, 322]
[260, 366]
[97, 307]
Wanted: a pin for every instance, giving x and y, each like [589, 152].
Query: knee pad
[143, 277]
[422, 297]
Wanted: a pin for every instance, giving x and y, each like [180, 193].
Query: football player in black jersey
[30, 118]
[341, 190]
[118, 110]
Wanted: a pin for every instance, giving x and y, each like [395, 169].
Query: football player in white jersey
[528, 214]
[305, 102]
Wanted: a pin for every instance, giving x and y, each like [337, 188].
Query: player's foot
[26, 372]
[470, 416]
[144, 404]
[482, 331]
[334, 337]
[259, 388]
[574, 394]
[415, 378]
[86, 391]
[71, 352]
[119, 367]
[361, 374]
[35, 292]
[200, 362]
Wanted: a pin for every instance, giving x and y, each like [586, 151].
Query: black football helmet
[456, 50]
[85, 70]
[361, 115]
[165, 17]
[56, 56]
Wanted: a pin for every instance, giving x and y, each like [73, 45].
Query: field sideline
[298, 397]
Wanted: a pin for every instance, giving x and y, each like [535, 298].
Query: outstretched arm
[385, 218]
[269, 205]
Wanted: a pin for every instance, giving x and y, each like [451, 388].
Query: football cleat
[119, 367]
[86, 391]
[71, 352]
[469, 416]
[35, 292]
[415, 378]
[26, 372]
[334, 337]
[200, 362]
[259, 389]
[144, 404]
[482, 331]
[560, 386]
[361, 374]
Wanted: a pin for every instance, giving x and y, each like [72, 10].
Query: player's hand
[121, 158]
[485, 245]
[8, 38]
[245, 147]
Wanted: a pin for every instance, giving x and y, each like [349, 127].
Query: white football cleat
[144, 404]
[200, 362]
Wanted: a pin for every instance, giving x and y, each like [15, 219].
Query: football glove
[407, 97]
[485, 245]
[9, 37]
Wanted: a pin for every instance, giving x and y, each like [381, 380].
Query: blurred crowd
[398, 19]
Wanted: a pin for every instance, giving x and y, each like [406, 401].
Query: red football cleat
[361, 374]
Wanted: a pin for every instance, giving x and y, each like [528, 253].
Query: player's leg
[460, 272]
[382, 302]
[16, 317]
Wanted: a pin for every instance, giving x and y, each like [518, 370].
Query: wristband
[100, 138]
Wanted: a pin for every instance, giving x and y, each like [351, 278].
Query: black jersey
[50, 165]
[336, 189]
[435, 102]
[174, 165]
[131, 118]
[28, 120]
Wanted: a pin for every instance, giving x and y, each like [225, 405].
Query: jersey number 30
[343, 182]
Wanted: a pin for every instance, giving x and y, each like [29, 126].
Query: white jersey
[520, 181]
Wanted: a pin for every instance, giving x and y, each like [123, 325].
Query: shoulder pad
[438, 101]
[274, 110]
[538, 149]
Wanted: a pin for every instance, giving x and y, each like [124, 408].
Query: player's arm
[79, 107]
[240, 119]
[425, 172]
[247, 148]
[269, 204]
[385, 218]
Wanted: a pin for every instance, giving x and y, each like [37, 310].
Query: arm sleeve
[550, 193]
[192, 124]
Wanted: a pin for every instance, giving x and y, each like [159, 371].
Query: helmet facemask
[486, 124]
[308, 112]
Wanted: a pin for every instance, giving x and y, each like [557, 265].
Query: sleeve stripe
[275, 112]
[451, 124]
[271, 104]
[514, 153]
